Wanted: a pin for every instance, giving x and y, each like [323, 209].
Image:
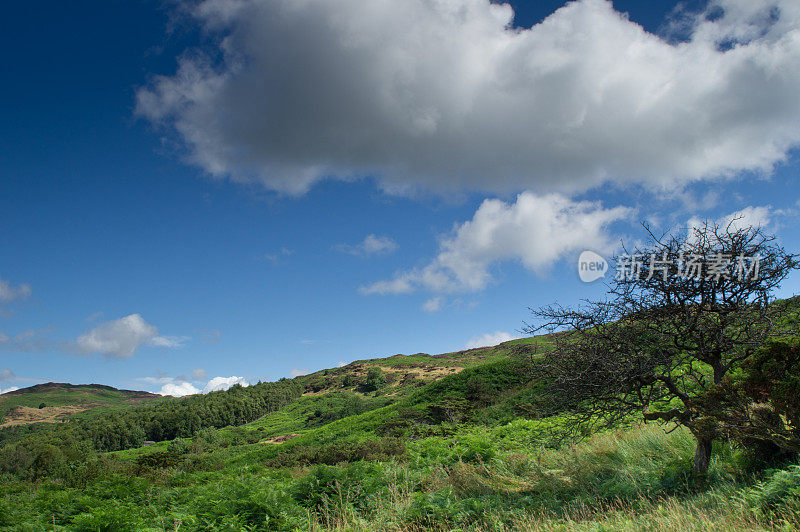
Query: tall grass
[478, 478]
[635, 480]
[475, 477]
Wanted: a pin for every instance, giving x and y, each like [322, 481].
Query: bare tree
[682, 313]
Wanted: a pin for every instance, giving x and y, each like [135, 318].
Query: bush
[339, 452]
[159, 459]
[479, 391]
[49, 460]
[331, 490]
[248, 503]
[375, 380]
[780, 489]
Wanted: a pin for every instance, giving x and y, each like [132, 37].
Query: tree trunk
[702, 456]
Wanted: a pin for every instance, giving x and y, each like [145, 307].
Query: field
[402, 443]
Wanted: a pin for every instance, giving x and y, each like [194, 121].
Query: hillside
[418, 442]
[61, 401]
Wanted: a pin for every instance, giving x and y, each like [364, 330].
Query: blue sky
[198, 194]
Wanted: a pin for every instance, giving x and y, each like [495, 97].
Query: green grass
[463, 358]
[454, 453]
[478, 478]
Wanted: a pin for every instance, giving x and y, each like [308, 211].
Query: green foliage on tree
[667, 345]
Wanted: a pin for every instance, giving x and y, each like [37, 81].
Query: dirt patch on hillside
[428, 372]
[402, 374]
[279, 439]
[321, 392]
[25, 415]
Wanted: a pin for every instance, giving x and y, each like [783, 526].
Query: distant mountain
[54, 402]
[50, 387]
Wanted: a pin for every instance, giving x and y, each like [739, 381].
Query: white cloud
[403, 283]
[434, 304]
[121, 338]
[447, 95]
[751, 216]
[371, 245]
[536, 230]
[9, 293]
[6, 390]
[168, 341]
[341, 364]
[223, 383]
[178, 389]
[94, 317]
[490, 339]
[30, 341]
[297, 372]
[180, 386]
[211, 336]
[277, 255]
[7, 375]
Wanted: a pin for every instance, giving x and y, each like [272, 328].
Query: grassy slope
[485, 469]
[325, 392]
[89, 396]
[478, 477]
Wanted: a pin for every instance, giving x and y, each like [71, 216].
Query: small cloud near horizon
[490, 339]
[180, 386]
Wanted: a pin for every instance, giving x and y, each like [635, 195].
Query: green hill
[53, 402]
[446, 442]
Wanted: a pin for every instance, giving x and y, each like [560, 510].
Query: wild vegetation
[463, 451]
[483, 439]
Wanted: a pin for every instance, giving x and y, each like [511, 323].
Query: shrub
[49, 460]
[339, 452]
[159, 459]
[479, 391]
[375, 380]
[781, 489]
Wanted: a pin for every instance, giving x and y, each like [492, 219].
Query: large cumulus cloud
[448, 95]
